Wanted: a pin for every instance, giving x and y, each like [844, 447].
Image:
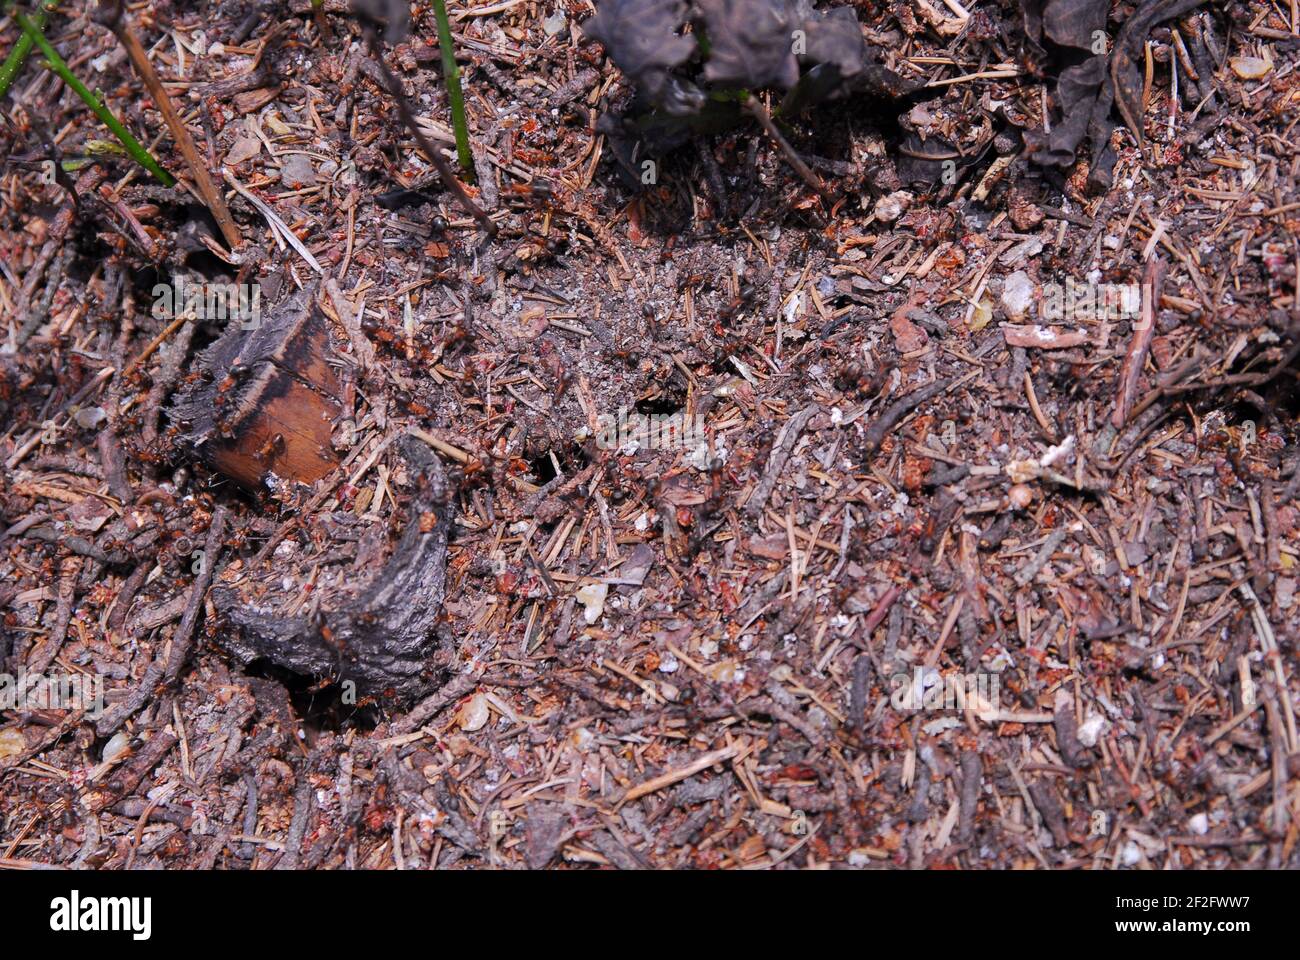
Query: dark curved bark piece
[379, 636]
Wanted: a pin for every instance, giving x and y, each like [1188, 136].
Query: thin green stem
[18, 55]
[322, 26]
[451, 73]
[57, 64]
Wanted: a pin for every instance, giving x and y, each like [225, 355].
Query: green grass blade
[57, 64]
[18, 55]
[451, 73]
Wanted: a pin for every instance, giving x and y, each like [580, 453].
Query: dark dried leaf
[744, 45]
[833, 38]
[751, 44]
[643, 37]
[922, 161]
[1085, 93]
[822, 82]
[1070, 23]
[841, 62]
[380, 633]
[1084, 97]
[393, 15]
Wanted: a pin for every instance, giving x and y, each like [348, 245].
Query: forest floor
[962, 571]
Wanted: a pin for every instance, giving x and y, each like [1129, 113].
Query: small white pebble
[1091, 729]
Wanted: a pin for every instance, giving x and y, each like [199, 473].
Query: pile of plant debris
[763, 433]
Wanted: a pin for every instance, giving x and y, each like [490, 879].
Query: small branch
[445, 172]
[55, 238]
[322, 25]
[166, 667]
[207, 187]
[893, 414]
[1140, 345]
[785, 442]
[756, 110]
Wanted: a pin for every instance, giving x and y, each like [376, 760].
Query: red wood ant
[238, 374]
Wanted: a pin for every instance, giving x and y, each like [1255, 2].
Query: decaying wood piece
[351, 598]
[263, 407]
[373, 603]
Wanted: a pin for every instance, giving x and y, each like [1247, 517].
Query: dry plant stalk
[112, 17]
[1140, 345]
[754, 107]
[445, 172]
